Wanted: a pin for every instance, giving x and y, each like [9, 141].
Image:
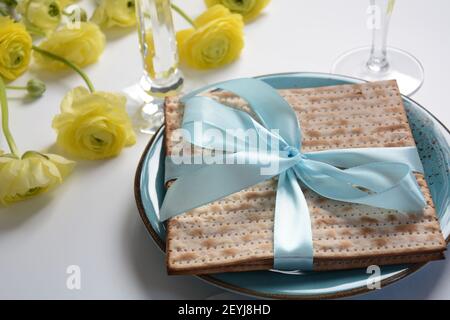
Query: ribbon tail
[293, 246]
[176, 167]
[384, 185]
[405, 196]
[353, 157]
[207, 185]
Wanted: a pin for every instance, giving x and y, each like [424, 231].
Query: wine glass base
[169, 87]
[151, 117]
[146, 111]
[403, 67]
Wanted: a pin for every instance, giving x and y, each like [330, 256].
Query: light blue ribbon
[378, 177]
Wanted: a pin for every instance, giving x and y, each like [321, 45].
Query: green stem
[36, 31]
[5, 119]
[4, 12]
[183, 14]
[16, 88]
[69, 64]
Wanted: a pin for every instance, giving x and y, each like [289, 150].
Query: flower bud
[35, 88]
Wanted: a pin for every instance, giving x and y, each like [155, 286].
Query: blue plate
[432, 140]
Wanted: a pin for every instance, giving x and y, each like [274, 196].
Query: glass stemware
[379, 62]
[161, 76]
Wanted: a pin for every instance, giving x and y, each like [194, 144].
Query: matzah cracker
[236, 233]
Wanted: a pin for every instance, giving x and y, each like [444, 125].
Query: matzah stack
[236, 233]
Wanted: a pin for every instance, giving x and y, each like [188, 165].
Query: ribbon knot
[379, 177]
[293, 152]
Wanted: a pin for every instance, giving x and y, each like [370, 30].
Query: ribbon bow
[378, 177]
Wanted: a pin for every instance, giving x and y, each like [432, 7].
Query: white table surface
[92, 221]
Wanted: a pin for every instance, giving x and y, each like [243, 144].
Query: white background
[92, 220]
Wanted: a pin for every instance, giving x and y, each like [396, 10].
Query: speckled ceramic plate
[432, 140]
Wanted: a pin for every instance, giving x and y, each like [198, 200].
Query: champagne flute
[380, 62]
[161, 76]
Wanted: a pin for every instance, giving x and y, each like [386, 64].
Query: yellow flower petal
[249, 9]
[44, 15]
[81, 46]
[183, 35]
[110, 13]
[65, 3]
[15, 48]
[31, 175]
[64, 166]
[215, 43]
[93, 125]
[213, 13]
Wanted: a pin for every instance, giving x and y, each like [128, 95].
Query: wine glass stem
[158, 47]
[381, 11]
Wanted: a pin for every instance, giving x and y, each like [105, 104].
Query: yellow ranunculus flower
[44, 15]
[249, 9]
[81, 46]
[31, 175]
[66, 3]
[217, 40]
[93, 125]
[110, 13]
[15, 48]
